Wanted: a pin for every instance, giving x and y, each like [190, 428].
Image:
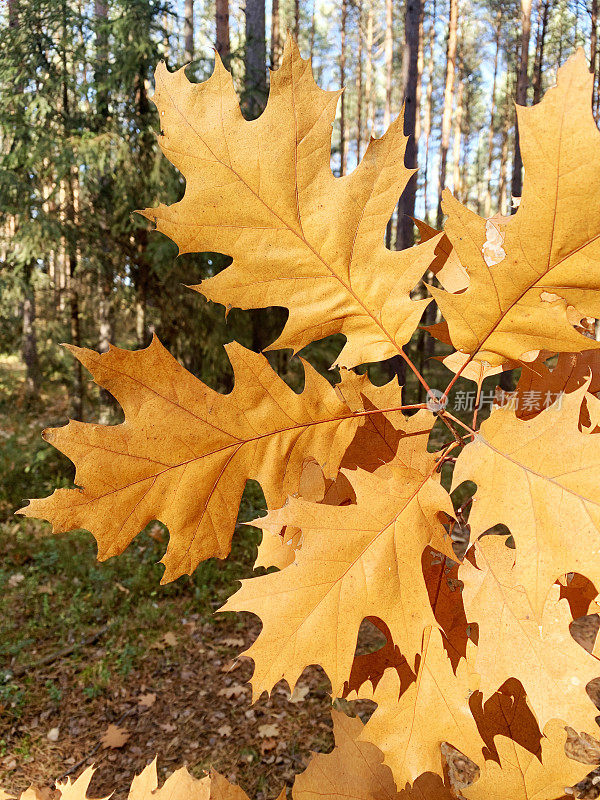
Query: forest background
[78, 154]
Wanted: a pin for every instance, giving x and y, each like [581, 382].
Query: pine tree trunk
[594, 48]
[538, 69]
[458, 123]
[488, 173]
[420, 69]
[388, 46]
[296, 19]
[448, 101]
[521, 93]
[311, 44]
[222, 44]
[255, 59]
[275, 35]
[29, 351]
[359, 86]
[503, 204]
[370, 109]
[188, 30]
[406, 205]
[343, 139]
[428, 110]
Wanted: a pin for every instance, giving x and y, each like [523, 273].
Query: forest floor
[87, 647]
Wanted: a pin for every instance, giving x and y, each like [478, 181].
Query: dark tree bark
[521, 93]
[29, 351]
[255, 59]
[223, 46]
[406, 205]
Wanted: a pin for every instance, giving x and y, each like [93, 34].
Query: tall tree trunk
[296, 19]
[103, 205]
[406, 204]
[223, 46]
[29, 351]
[255, 58]
[594, 48]
[388, 46]
[71, 247]
[343, 137]
[311, 44]
[369, 71]
[359, 86]
[275, 35]
[521, 93]
[420, 69]
[490, 144]
[188, 30]
[538, 68]
[458, 124]
[448, 101]
[503, 204]
[429, 109]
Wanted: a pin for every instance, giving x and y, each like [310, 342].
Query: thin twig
[65, 651]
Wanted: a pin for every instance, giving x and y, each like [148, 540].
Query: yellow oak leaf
[356, 561]
[410, 728]
[184, 452]
[518, 302]
[539, 478]
[522, 776]
[551, 666]
[263, 193]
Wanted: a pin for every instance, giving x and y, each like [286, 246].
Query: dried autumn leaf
[410, 728]
[263, 192]
[114, 737]
[540, 478]
[522, 776]
[539, 386]
[551, 666]
[355, 561]
[354, 769]
[502, 313]
[184, 452]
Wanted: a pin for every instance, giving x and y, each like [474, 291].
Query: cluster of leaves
[359, 524]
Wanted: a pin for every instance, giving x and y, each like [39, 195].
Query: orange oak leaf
[523, 776]
[410, 728]
[539, 386]
[354, 769]
[184, 452]
[355, 561]
[540, 478]
[553, 669]
[546, 260]
[263, 193]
